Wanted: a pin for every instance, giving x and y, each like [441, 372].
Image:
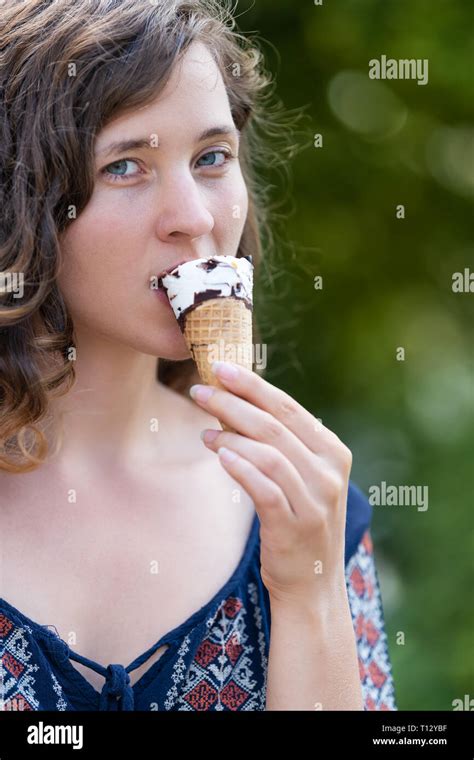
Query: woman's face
[181, 197]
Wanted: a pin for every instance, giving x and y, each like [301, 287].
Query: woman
[142, 566]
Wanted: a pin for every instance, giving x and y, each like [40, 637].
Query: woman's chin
[161, 340]
[175, 355]
[174, 349]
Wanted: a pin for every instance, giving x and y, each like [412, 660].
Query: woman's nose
[182, 210]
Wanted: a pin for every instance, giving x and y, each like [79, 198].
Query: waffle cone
[219, 329]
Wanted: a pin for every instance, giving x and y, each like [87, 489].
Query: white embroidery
[61, 704]
[365, 603]
[178, 674]
[253, 592]
[17, 692]
[220, 683]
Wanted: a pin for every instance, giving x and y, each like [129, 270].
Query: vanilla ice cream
[195, 281]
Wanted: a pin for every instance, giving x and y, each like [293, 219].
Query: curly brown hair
[66, 70]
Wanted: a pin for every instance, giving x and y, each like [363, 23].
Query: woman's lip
[161, 294]
[170, 269]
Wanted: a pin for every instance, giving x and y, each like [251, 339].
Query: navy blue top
[216, 659]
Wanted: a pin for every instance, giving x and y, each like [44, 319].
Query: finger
[269, 499]
[280, 405]
[249, 420]
[268, 460]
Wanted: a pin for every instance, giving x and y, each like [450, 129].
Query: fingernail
[225, 370]
[208, 436]
[226, 454]
[201, 392]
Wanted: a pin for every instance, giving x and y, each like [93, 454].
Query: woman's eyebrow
[121, 146]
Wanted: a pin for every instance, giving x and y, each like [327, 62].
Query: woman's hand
[296, 471]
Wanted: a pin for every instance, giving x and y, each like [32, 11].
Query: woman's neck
[116, 411]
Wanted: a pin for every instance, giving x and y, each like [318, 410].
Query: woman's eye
[117, 171]
[121, 168]
[208, 157]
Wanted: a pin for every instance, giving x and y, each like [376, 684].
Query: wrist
[331, 607]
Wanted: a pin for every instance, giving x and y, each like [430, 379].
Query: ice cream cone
[212, 301]
[219, 329]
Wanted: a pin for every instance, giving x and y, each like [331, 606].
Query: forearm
[313, 658]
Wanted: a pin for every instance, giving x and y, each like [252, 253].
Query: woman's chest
[119, 568]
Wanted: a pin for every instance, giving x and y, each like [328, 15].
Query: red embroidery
[220, 675]
[233, 649]
[232, 606]
[202, 697]
[357, 581]
[206, 652]
[232, 696]
[5, 626]
[17, 702]
[12, 665]
[367, 617]
[17, 681]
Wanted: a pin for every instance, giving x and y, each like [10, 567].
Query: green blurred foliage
[387, 283]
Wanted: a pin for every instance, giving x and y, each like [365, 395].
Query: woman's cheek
[232, 208]
[242, 195]
[92, 279]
